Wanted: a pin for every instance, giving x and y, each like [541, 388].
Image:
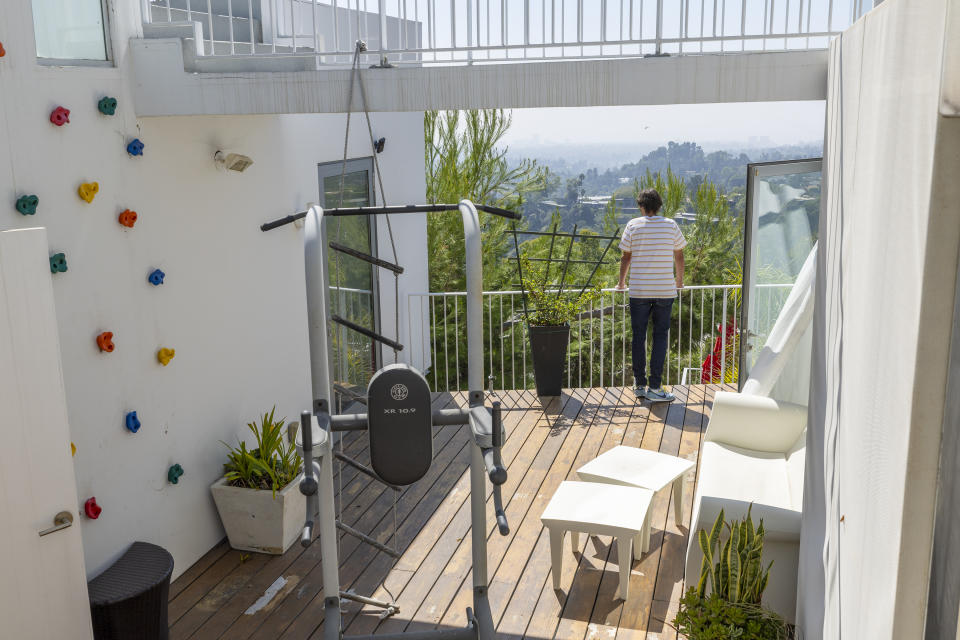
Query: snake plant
[735, 566]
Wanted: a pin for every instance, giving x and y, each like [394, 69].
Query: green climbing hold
[27, 205]
[107, 106]
[58, 263]
[173, 475]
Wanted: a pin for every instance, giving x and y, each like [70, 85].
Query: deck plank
[432, 580]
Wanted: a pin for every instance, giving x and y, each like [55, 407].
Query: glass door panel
[353, 282]
[780, 230]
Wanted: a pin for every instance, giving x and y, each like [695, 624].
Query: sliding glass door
[353, 282]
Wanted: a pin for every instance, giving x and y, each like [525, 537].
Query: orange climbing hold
[128, 218]
[3, 51]
[164, 356]
[105, 341]
[88, 190]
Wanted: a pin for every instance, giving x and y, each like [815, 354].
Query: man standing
[652, 249]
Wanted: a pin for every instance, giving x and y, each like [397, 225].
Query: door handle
[60, 521]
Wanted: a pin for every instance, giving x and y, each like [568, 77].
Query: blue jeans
[641, 311]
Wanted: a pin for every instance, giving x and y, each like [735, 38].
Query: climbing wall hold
[164, 355]
[107, 106]
[135, 148]
[58, 263]
[73, 449]
[3, 51]
[156, 277]
[174, 473]
[60, 116]
[27, 205]
[133, 422]
[128, 218]
[91, 508]
[105, 341]
[88, 190]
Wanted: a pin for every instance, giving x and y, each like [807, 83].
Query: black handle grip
[502, 524]
[498, 475]
[497, 426]
[307, 536]
[306, 428]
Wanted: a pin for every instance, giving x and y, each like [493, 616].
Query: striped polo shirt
[651, 240]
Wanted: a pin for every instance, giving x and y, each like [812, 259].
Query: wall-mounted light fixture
[232, 161]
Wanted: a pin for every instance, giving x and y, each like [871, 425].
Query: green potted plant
[258, 497]
[734, 570]
[549, 314]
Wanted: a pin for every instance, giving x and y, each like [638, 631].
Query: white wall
[233, 302]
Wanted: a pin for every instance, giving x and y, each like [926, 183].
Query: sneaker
[659, 395]
[640, 391]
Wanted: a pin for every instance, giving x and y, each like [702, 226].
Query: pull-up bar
[408, 208]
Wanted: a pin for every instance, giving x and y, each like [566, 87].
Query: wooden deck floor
[227, 594]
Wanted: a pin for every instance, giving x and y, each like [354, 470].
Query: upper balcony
[295, 55]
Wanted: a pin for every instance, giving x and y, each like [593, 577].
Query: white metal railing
[482, 31]
[704, 331]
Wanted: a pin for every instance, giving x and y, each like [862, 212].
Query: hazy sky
[758, 122]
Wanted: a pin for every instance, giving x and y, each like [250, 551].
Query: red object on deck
[711, 371]
[105, 341]
[91, 508]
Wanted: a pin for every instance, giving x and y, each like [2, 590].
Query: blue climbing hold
[156, 277]
[174, 473]
[58, 263]
[27, 205]
[135, 148]
[107, 106]
[133, 422]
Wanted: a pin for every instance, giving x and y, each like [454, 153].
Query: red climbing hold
[91, 508]
[128, 218]
[3, 51]
[105, 341]
[60, 116]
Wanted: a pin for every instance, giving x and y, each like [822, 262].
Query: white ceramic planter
[256, 521]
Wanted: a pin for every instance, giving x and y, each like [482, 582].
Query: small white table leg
[574, 541]
[678, 499]
[625, 555]
[556, 554]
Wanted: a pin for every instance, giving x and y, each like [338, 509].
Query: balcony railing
[703, 340]
[426, 32]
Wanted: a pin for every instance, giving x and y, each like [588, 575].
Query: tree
[464, 159]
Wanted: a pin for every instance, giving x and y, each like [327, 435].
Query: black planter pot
[549, 347]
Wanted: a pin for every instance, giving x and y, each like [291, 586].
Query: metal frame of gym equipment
[486, 425]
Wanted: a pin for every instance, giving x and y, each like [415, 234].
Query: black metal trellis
[566, 260]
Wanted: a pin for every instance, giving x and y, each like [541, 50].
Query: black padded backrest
[400, 424]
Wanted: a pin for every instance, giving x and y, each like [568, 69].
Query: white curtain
[887, 266]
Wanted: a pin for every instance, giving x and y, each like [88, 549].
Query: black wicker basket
[129, 600]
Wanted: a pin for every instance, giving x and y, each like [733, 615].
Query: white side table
[634, 467]
[599, 509]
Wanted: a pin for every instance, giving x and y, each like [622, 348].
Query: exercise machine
[399, 420]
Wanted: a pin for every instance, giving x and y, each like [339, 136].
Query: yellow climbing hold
[73, 449]
[164, 356]
[88, 190]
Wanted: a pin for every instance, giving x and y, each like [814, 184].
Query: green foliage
[464, 159]
[672, 189]
[271, 465]
[548, 308]
[735, 568]
[713, 618]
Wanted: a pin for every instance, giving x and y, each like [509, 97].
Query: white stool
[599, 509]
[634, 467]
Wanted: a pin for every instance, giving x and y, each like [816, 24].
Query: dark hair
[650, 201]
